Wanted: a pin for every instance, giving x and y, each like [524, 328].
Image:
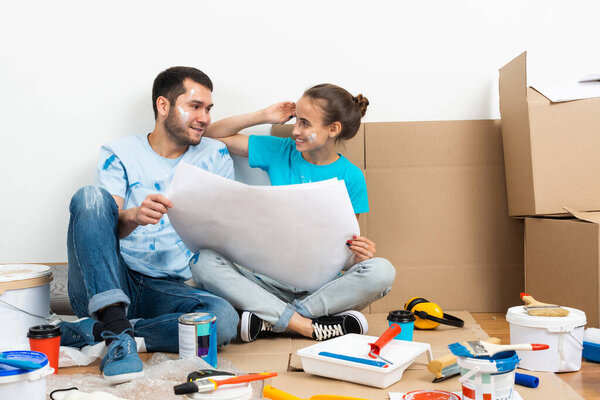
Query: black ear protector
[430, 315]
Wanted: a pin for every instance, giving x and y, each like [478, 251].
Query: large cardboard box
[562, 263]
[438, 212]
[550, 149]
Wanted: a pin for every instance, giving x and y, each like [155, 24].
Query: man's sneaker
[121, 363]
[252, 326]
[339, 324]
[78, 333]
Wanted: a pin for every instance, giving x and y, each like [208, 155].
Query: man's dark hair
[169, 84]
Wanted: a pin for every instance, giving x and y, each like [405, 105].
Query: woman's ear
[163, 106]
[335, 129]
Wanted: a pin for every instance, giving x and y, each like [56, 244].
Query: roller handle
[384, 339]
[275, 394]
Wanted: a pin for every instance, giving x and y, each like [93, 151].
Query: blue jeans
[276, 302]
[98, 277]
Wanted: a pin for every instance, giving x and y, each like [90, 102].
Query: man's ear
[162, 106]
[335, 129]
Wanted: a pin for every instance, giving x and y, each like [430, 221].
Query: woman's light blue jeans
[275, 302]
[99, 277]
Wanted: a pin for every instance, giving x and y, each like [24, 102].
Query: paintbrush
[539, 309]
[477, 348]
[208, 385]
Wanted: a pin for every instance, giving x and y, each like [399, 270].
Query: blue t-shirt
[285, 166]
[130, 169]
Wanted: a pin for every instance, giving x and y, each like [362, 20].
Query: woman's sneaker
[331, 326]
[252, 326]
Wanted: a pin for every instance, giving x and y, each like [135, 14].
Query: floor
[586, 381]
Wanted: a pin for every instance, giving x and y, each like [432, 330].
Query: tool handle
[384, 339]
[528, 346]
[526, 380]
[275, 394]
[245, 378]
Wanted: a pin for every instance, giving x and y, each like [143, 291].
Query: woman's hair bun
[362, 103]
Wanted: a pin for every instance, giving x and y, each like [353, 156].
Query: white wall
[76, 74]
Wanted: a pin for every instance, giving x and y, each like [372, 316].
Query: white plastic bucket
[488, 378]
[18, 383]
[24, 302]
[564, 335]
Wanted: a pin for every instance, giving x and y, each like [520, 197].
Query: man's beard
[177, 131]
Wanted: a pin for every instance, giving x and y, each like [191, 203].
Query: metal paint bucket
[24, 302]
[198, 337]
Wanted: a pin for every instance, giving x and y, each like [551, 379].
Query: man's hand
[279, 113]
[362, 248]
[152, 209]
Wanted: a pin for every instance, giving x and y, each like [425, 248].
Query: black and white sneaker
[252, 326]
[331, 326]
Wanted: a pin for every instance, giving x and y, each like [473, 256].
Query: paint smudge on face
[312, 137]
[183, 114]
[93, 198]
[157, 186]
[191, 94]
[223, 152]
[109, 161]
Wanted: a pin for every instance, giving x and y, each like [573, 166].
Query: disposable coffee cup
[406, 320]
[46, 339]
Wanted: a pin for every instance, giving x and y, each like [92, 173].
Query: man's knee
[227, 322]
[92, 199]
[203, 264]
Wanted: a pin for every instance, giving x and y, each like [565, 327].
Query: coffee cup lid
[401, 316]
[43, 331]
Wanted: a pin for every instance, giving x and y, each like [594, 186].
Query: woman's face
[309, 133]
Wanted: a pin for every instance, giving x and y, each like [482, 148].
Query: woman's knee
[382, 274]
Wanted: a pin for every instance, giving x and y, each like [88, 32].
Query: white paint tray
[400, 352]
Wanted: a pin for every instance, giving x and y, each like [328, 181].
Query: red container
[46, 339]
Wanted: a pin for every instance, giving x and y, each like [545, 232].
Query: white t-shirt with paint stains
[130, 169]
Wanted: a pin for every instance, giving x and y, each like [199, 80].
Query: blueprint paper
[295, 234]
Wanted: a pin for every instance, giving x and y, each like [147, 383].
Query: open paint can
[17, 383]
[198, 337]
[488, 378]
[24, 302]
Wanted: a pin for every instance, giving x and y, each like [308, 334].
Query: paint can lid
[21, 355]
[519, 316]
[401, 316]
[19, 272]
[196, 318]
[430, 395]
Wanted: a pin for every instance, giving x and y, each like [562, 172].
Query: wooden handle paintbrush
[539, 309]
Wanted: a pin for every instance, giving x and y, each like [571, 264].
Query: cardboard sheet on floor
[274, 230]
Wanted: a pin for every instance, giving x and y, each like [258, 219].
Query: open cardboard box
[562, 262]
[550, 149]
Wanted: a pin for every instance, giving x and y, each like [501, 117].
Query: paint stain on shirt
[108, 162]
[157, 186]
[223, 152]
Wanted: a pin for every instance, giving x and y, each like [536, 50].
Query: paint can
[17, 383]
[198, 337]
[564, 335]
[488, 378]
[24, 302]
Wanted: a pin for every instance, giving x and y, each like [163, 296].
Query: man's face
[189, 117]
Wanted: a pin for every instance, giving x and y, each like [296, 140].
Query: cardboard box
[562, 263]
[550, 149]
[438, 213]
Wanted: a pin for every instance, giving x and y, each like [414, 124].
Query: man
[127, 266]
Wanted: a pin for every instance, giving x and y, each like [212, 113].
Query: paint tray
[400, 352]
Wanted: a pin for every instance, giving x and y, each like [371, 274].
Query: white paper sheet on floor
[295, 234]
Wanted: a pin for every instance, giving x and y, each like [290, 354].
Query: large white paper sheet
[559, 92]
[295, 234]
